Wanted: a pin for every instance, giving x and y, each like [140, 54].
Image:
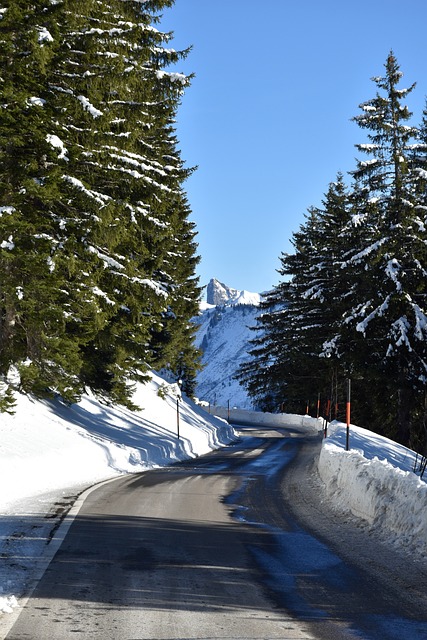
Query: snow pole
[328, 416]
[228, 410]
[178, 398]
[347, 414]
[336, 396]
[318, 405]
[306, 408]
[177, 417]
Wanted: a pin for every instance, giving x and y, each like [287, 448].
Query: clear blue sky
[268, 116]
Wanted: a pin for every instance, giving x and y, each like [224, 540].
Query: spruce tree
[172, 342]
[390, 302]
[296, 355]
[355, 288]
[260, 374]
[36, 307]
[92, 202]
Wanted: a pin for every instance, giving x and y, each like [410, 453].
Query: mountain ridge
[224, 335]
[218, 293]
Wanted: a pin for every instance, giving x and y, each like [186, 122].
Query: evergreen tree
[261, 374]
[297, 330]
[355, 289]
[172, 342]
[91, 192]
[390, 302]
[35, 302]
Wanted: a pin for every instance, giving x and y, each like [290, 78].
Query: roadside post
[178, 398]
[328, 416]
[347, 414]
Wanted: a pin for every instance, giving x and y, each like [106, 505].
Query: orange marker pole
[347, 414]
[328, 417]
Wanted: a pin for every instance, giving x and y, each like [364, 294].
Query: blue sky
[268, 116]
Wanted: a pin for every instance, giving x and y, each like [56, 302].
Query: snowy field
[50, 453]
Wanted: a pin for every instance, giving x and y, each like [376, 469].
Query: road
[234, 545]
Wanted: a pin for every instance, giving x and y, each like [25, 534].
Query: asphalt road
[234, 545]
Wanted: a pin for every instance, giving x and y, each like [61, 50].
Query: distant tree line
[352, 302]
[97, 253]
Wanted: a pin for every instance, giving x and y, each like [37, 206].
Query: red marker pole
[328, 416]
[347, 414]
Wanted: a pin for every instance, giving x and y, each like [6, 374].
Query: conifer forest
[351, 304]
[97, 253]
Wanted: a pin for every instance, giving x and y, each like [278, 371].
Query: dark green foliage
[7, 398]
[91, 197]
[298, 320]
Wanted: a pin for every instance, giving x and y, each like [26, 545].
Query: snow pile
[247, 416]
[375, 481]
[8, 604]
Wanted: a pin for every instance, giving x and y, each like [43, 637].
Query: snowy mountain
[223, 336]
[219, 294]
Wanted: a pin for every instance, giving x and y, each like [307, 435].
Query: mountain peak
[220, 294]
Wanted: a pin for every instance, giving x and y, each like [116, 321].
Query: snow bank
[48, 446]
[50, 452]
[8, 604]
[244, 416]
[375, 481]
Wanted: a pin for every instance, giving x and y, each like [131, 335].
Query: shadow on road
[201, 563]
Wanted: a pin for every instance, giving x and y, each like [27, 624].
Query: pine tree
[260, 374]
[35, 305]
[172, 342]
[91, 192]
[113, 85]
[390, 303]
[295, 355]
[355, 288]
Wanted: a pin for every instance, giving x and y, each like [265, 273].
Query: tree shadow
[146, 563]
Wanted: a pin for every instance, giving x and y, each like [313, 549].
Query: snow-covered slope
[50, 452]
[223, 336]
